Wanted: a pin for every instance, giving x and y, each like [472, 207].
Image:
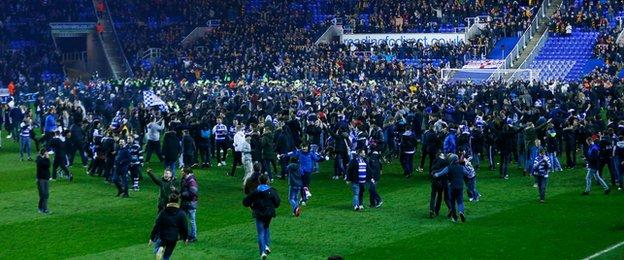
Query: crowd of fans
[27, 53]
[608, 49]
[258, 86]
[431, 16]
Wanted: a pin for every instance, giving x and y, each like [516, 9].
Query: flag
[150, 99]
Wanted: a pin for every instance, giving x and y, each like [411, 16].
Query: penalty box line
[604, 251]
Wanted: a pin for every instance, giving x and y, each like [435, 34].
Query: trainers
[361, 207]
[302, 203]
[223, 163]
[267, 250]
[431, 214]
[263, 256]
[470, 199]
[506, 177]
[219, 164]
[160, 253]
[607, 191]
[297, 212]
[535, 185]
[462, 216]
[541, 201]
[379, 204]
[356, 208]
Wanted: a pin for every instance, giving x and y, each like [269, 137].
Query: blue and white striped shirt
[361, 170]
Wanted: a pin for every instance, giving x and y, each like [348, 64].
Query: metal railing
[526, 36]
[123, 54]
[620, 38]
[128, 69]
[214, 23]
[531, 56]
[151, 53]
[71, 56]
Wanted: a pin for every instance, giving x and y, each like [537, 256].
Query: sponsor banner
[73, 27]
[483, 64]
[399, 38]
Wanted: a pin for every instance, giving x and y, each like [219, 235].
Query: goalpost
[483, 75]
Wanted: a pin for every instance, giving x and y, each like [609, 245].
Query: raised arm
[441, 172]
[154, 179]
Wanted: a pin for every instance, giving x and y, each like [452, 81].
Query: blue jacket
[455, 173]
[306, 160]
[50, 124]
[122, 160]
[593, 157]
[450, 143]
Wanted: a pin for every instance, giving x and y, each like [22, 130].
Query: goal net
[483, 75]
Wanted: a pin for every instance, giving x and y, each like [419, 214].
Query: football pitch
[89, 222]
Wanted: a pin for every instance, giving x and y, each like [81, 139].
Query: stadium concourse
[333, 150]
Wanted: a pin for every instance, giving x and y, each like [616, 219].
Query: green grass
[89, 222]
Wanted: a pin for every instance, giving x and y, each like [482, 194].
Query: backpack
[206, 134]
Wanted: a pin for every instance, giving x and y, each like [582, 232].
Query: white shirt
[239, 139]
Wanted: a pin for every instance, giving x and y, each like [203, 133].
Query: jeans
[24, 146]
[172, 166]
[153, 146]
[76, 147]
[541, 184]
[314, 149]
[614, 171]
[407, 161]
[617, 163]
[190, 214]
[555, 161]
[121, 179]
[471, 186]
[221, 146]
[266, 167]
[339, 164]
[457, 201]
[476, 160]
[505, 159]
[204, 152]
[358, 193]
[424, 154]
[306, 177]
[438, 192]
[264, 234]
[60, 161]
[293, 197]
[588, 180]
[374, 197]
[44, 193]
[491, 154]
[168, 245]
[570, 150]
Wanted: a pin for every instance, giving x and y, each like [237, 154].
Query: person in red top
[100, 8]
[99, 28]
[11, 88]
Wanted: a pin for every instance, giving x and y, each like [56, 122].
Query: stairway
[541, 29]
[112, 47]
